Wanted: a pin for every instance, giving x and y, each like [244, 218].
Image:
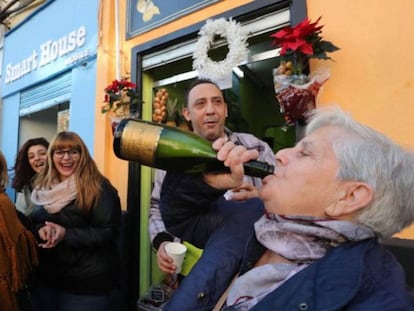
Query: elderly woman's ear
[352, 197]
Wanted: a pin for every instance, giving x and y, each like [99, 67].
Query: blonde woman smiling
[76, 218]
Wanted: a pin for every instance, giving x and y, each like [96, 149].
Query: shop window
[63, 117]
[45, 123]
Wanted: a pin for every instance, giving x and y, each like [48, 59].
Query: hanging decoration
[121, 101]
[237, 43]
[296, 91]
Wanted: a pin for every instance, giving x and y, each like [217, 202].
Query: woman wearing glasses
[77, 218]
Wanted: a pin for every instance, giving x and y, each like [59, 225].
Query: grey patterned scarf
[301, 240]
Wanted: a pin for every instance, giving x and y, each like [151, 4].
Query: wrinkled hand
[233, 157]
[165, 262]
[244, 192]
[52, 234]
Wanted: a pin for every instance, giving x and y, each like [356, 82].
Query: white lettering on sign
[81, 55]
[14, 72]
[50, 51]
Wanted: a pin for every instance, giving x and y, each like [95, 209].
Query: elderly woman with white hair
[332, 197]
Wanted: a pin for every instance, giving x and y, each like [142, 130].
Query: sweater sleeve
[156, 227]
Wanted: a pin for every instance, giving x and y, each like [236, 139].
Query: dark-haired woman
[30, 161]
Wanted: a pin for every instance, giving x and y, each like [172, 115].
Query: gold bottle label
[139, 142]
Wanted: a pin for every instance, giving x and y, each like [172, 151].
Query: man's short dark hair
[198, 82]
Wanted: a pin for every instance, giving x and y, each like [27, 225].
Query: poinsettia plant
[299, 44]
[120, 96]
[296, 90]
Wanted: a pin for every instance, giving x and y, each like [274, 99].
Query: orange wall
[373, 73]
[112, 167]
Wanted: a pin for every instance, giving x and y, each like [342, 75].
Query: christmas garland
[236, 38]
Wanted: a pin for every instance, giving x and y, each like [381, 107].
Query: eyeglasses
[60, 153]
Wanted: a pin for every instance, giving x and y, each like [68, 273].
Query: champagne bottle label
[138, 138]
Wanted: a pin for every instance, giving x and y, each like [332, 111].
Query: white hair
[368, 156]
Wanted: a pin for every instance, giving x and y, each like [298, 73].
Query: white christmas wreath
[236, 38]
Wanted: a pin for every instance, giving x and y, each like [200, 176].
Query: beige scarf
[57, 197]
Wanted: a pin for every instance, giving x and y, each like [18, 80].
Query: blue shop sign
[145, 15]
[57, 37]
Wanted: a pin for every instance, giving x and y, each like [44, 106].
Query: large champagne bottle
[169, 148]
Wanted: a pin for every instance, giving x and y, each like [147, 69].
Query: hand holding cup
[177, 252]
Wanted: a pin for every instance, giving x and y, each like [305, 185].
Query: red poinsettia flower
[296, 38]
[118, 94]
[306, 28]
[127, 84]
[302, 42]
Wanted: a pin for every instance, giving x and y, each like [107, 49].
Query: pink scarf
[57, 197]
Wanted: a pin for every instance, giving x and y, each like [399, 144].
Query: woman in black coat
[76, 218]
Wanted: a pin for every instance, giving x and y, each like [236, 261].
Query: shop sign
[145, 15]
[49, 52]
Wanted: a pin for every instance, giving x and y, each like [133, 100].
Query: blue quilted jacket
[355, 276]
